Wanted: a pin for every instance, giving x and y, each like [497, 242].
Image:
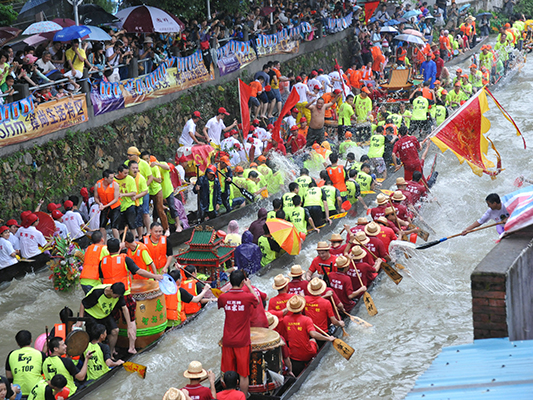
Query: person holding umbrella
[76, 60]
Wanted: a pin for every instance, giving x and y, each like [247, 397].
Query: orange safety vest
[486, 78]
[60, 330]
[114, 270]
[427, 93]
[91, 262]
[366, 73]
[106, 196]
[401, 54]
[158, 251]
[137, 257]
[337, 176]
[172, 308]
[394, 126]
[190, 286]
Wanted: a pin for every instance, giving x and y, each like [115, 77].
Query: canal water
[430, 309]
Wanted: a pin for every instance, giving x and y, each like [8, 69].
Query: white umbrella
[147, 19]
[410, 39]
[42, 27]
[388, 29]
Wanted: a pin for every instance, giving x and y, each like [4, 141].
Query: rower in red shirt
[318, 308]
[386, 234]
[276, 147]
[324, 261]
[373, 244]
[401, 184]
[367, 272]
[231, 382]
[258, 318]
[236, 344]
[278, 303]
[397, 199]
[195, 373]
[337, 248]
[296, 140]
[378, 211]
[297, 285]
[342, 284]
[301, 335]
[361, 223]
[373, 230]
[417, 189]
[406, 148]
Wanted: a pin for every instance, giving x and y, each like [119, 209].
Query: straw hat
[398, 196]
[322, 246]
[195, 371]
[372, 229]
[400, 181]
[360, 237]
[273, 321]
[174, 394]
[362, 221]
[316, 286]
[296, 303]
[381, 199]
[389, 210]
[358, 253]
[342, 262]
[336, 238]
[296, 271]
[383, 220]
[280, 282]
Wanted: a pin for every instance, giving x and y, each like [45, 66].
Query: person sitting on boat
[276, 205]
[236, 341]
[367, 272]
[365, 180]
[417, 189]
[100, 361]
[231, 383]
[286, 199]
[379, 211]
[160, 252]
[279, 302]
[256, 227]
[57, 364]
[138, 252]
[386, 234]
[196, 374]
[30, 240]
[297, 285]
[208, 188]
[233, 237]
[400, 204]
[300, 217]
[456, 96]
[371, 243]
[324, 263]
[466, 86]
[496, 212]
[248, 255]
[253, 184]
[475, 78]
[341, 284]
[301, 335]
[13, 226]
[8, 255]
[177, 302]
[47, 390]
[333, 197]
[401, 185]
[89, 276]
[176, 394]
[316, 203]
[269, 247]
[318, 308]
[361, 223]
[194, 288]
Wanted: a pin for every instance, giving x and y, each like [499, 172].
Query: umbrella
[46, 224]
[71, 33]
[483, 15]
[35, 40]
[410, 39]
[98, 34]
[148, 19]
[402, 19]
[389, 29]
[413, 32]
[40, 27]
[412, 13]
[265, 11]
[30, 5]
[7, 33]
[464, 8]
[92, 14]
[285, 234]
[64, 22]
[391, 22]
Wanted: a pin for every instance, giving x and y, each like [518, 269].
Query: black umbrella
[92, 14]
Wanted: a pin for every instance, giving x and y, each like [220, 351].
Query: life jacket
[190, 286]
[53, 366]
[395, 128]
[96, 366]
[114, 270]
[175, 309]
[366, 73]
[314, 198]
[91, 262]
[26, 367]
[158, 251]
[337, 176]
[106, 196]
[297, 218]
[401, 54]
[486, 78]
[137, 257]
[427, 93]
[60, 330]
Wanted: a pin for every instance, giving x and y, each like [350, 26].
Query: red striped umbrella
[147, 19]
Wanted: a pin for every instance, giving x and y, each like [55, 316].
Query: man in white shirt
[291, 119]
[189, 135]
[302, 89]
[233, 147]
[215, 126]
[262, 134]
[13, 228]
[74, 223]
[113, 56]
[258, 146]
[31, 239]
[312, 81]
[61, 228]
[336, 80]
[496, 212]
[325, 82]
[8, 256]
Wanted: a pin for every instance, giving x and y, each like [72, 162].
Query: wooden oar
[344, 333]
[402, 236]
[367, 299]
[436, 242]
[247, 195]
[124, 234]
[216, 292]
[133, 367]
[88, 222]
[339, 345]
[391, 272]
[358, 321]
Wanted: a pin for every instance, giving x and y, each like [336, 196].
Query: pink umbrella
[413, 32]
[147, 19]
[8, 33]
[64, 22]
[35, 40]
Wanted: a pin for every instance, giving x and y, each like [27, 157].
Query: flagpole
[242, 120]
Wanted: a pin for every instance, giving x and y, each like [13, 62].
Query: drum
[77, 342]
[150, 314]
[266, 355]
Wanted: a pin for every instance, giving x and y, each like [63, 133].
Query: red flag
[244, 97]
[370, 8]
[292, 100]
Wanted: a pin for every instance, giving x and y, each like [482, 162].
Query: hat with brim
[400, 181]
[342, 262]
[398, 196]
[134, 150]
[296, 271]
[383, 220]
[316, 286]
[174, 394]
[273, 321]
[322, 246]
[358, 253]
[336, 238]
[195, 371]
[362, 221]
[296, 303]
[280, 282]
[389, 211]
[372, 229]
[381, 199]
[360, 238]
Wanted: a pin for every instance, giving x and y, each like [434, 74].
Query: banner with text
[234, 55]
[22, 120]
[284, 41]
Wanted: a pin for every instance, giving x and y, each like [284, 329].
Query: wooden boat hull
[20, 270]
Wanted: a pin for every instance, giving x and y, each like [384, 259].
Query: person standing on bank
[496, 211]
[208, 188]
[133, 154]
[107, 196]
[155, 190]
[215, 126]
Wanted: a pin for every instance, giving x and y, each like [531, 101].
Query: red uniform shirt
[354, 230]
[386, 235]
[280, 149]
[231, 394]
[401, 211]
[416, 189]
[378, 211]
[198, 392]
[376, 246]
[319, 310]
[298, 328]
[407, 149]
[337, 251]
[259, 318]
[342, 286]
[298, 143]
[279, 302]
[298, 287]
[239, 307]
[408, 196]
[366, 272]
[318, 263]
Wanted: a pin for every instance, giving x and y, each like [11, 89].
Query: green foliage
[7, 15]
[108, 5]
[524, 7]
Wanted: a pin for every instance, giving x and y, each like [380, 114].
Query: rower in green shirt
[286, 199]
[300, 217]
[366, 183]
[101, 362]
[345, 115]
[47, 390]
[303, 182]
[456, 96]
[276, 204]
[268, 246]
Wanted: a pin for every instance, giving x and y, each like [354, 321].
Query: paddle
[133, 367]
[216, 292]
[402, 237]
[344, 333]
[88, 222]
[247, 195]
[436, 242]
[422, 234]
[124, 234]
[391, 272]
[358, 321]
[339, 345]
[367, 299]
[200, 215]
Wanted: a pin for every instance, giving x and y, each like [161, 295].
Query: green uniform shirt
[268, 254]
[26, 366]
[96, 366]
[353, 191]
[406, 121]
[154, 187]
[396, 119]
[362, 107]
[331, 197]
[345, 114]
[440, 114]
[288, 205]
[454, 99]
[52, 366]
[476, 79]
[271, 214]
[166, 183]
[420, 109]
[127, 185]
[303, 183]
[315, 197]
[365, 181]
[141, 186]
[298, 217]
[377, 146]
[345, 146]
[38, 392]
[105, 304]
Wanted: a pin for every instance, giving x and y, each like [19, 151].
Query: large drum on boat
[266, 355]
[150, 314]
